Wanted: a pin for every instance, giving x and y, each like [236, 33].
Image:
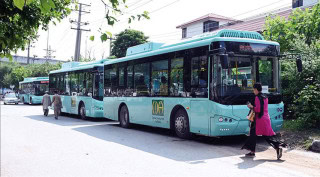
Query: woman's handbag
[251, 116]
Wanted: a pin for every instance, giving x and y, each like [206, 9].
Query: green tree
[4, 69]
[15, 73]
[20, 20]
[41, 70]
[302, 23]
[126, 39]
[299, 36]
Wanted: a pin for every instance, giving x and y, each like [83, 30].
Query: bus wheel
[82, 112]
[181, 124]
[124, 117]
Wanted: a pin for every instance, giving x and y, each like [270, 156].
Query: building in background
[32, 60]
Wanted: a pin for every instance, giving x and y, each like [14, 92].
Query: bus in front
[195, 86]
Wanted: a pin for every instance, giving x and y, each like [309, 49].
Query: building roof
[210, 16]
[256, 23]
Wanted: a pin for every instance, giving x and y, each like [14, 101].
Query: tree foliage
[20, 21]
[13, 73]
[299, 36]
[126, 39]
[302, 23]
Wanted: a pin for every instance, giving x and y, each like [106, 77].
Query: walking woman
[261, 125]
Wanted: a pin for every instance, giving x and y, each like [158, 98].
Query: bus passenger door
[73, 103]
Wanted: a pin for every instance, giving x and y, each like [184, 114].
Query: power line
[194, 29]
[164, 6]
[140, 6]
[257, 8]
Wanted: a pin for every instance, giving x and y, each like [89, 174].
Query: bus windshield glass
[41, 87]
[234, 84]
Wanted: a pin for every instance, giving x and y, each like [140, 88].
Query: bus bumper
[227, 126]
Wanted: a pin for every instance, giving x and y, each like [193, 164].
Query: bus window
[107, 82]
[114, 80]
[160, 78]
[129, 89]
[74, 82]
[265, 72]
[199, 76]
[121, 76]
[141, 79]
[89, 83]
[121, 89]
[176, 77]
[67, 83]
[52, 83]
[81, 85]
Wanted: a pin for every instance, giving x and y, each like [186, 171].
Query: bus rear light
[226, 119]
[220, 119]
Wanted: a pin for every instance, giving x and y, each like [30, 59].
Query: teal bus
[80, 86]
[196, 86]
[31, 89]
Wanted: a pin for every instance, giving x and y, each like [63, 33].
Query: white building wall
[197, 28]
[194, 29]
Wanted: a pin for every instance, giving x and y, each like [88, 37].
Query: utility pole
[48, 49]
[110, 46]
[79, 30]
[28, 52]
[49, 53]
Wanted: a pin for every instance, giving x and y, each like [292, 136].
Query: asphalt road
[34, 145]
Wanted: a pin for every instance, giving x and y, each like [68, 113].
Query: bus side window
[129, 88]
[142, 79]
[107, 82]
[199, 73]
[160, 78]
[176, 77]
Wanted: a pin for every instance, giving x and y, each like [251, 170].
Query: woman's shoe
[279, 153]
[284, 145]
[250, 154]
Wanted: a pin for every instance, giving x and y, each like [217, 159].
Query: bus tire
[82, 111]
[181, 124]
[23, 100]
[124, 117]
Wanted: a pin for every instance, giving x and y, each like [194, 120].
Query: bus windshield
[41, 88]
[234, 84]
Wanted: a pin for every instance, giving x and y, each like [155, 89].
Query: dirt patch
[300, 140]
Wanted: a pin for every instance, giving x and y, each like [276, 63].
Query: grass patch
[294, 125]
[307, 144]
[297, 135]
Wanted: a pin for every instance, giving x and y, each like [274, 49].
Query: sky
[165, 15]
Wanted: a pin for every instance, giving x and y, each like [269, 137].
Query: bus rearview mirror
[299, 65]
[224, 61]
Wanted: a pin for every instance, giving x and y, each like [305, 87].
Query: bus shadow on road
[162, 142]
[67, 120]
